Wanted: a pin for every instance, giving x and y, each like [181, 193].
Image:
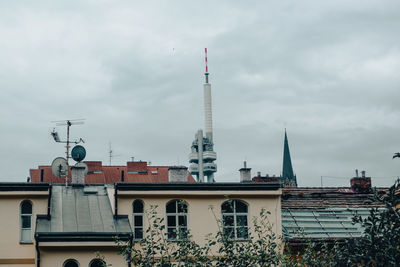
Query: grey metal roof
[81, 212]
[331, 223]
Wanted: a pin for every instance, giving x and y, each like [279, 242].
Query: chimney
[78, 175]
[245, 173]
[178, 174]
[361, 184]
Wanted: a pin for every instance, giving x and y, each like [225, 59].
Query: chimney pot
[178, 174]
[245, 173]
[361, 184]
[78, 175]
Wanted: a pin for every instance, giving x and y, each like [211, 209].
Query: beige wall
[201, 220]
[56, 256]
[12, 253]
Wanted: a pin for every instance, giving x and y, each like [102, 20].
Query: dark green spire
[287, 169]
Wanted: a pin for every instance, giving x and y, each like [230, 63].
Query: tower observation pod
[202, 154]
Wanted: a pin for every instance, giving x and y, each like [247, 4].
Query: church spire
[288, 178]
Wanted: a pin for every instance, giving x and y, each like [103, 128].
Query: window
[97, 263]
[26, 221]
[137, 218]
[176, 219]
[71, 263]
[234, 219]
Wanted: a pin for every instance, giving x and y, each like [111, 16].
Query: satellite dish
[82, 164]
[78, 153]
[59, 167]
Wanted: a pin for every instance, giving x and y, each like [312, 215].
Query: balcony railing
[209, 155]
[193, 157]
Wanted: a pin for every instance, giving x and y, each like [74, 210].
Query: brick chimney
[361, 184]
[178, 174]
[78, 175]
[245, 173]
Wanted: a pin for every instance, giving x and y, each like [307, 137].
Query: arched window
[234, 219]
[97, 263]
[26, 221]
[137, 218]
[177, 219]
[71, 263]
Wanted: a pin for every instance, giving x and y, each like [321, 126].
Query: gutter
[49, 202]
[11, 186]
[82, 236]
[37, 253]
[115, 202]
[188, 186]
[130, 245]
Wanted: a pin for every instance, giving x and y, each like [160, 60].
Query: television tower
[202, 156]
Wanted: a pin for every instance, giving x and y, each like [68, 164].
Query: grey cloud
[324, 70]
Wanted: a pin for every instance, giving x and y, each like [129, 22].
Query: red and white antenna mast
[206, 74]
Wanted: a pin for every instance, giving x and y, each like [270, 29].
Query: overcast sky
[328, 71]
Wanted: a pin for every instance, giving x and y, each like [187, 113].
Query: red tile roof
[98, 174]
[325, 197]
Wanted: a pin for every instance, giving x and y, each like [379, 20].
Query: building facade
[56, 225]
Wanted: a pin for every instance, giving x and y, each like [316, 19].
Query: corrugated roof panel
[69, 211]
[83, 216]
[94, 210]
[56, 210]
[323, 223]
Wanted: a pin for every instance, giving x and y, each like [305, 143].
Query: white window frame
[176, 214]
[134, 227]
[235, 215]
[21, 215]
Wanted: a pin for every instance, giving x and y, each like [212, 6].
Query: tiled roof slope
[320, 198]
[81, 213]
[134, 172]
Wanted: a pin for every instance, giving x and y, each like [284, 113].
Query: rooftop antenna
[110, 153]
[68, 123]
[56, 137]
[206, 73]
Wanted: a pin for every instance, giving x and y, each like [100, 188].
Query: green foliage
[379, 244]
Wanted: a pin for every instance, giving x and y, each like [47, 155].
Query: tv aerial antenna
[67, 123]
[111, 153]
